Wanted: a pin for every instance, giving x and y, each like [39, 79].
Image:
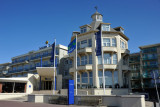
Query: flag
[72, 46]
[53, 52]
[98, 43]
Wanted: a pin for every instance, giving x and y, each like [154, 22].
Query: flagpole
[102, 62]
[156, 87]
[54, 66]
[76, 64]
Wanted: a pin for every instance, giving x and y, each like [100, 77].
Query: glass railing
[150, 66]
[149, 58]
[146, 76]
[136, 86]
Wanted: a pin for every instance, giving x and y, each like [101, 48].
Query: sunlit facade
[116, 54]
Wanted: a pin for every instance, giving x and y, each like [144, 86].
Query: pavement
[29, 104]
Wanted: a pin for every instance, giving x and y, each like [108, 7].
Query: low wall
[107, 100]
[5, 96]
[40, 98]
[79, 92]
[119, 101]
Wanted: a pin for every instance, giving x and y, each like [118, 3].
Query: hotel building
[116, 56]
[25, 64]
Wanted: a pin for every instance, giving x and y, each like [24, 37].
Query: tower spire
[96, 8]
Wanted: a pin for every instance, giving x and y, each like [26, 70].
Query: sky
[25, 25]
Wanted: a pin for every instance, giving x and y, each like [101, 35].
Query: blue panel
[72, 46]
[98, 43]
[71, 92]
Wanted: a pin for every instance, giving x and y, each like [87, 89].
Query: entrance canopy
[18, 79]
[45, 71]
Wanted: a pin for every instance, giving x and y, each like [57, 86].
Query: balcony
[84, 50]
[125, 51]
[81, 68]
[108, 66]
[109, 49]
[71, 70]
[150, 66]
[125, 67]
[136, 86]
[146, 76]
[84, 67]
[135, 69]
[149, 58]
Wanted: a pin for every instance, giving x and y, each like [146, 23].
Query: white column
[13, 87]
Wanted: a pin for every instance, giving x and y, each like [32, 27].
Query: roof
[149, 46]
[96, 13]
[15, 79]
[45, 71]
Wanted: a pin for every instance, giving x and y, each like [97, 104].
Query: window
[115, 77]
[83, 30]
[57, 51]
[105, 27]
[100, 76]
[14, 68]
[99, 59]
[78, 45]
[114, 58]
[90, 59]
[89, 42]
[83, 43]
[122, 44]
[84, 60]
[78, 77]
[66, 72]
[84, 77]
[38, 64]
[107, 58]
[114, 42]
[122, 30]
[91, 78]
[108, 78]
[106, 41]
[78, 61]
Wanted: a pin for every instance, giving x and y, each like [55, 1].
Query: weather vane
[96, 8]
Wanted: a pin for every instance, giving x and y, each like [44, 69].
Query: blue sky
[25, 25]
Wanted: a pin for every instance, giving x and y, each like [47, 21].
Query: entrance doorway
[47, 85]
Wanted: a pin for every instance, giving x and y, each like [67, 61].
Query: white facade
[89, 66]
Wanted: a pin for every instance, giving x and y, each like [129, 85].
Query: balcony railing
[149, 58]
[32, 58]
[150, 66]
[135, 77]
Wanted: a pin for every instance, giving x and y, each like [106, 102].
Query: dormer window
[122, 30]
[105, 27]
[83, 30]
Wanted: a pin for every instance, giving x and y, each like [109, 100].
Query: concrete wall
[119, 101]
[32, 81]
[4, 96]
[59, 82]
[111, 100]
[109, 91]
